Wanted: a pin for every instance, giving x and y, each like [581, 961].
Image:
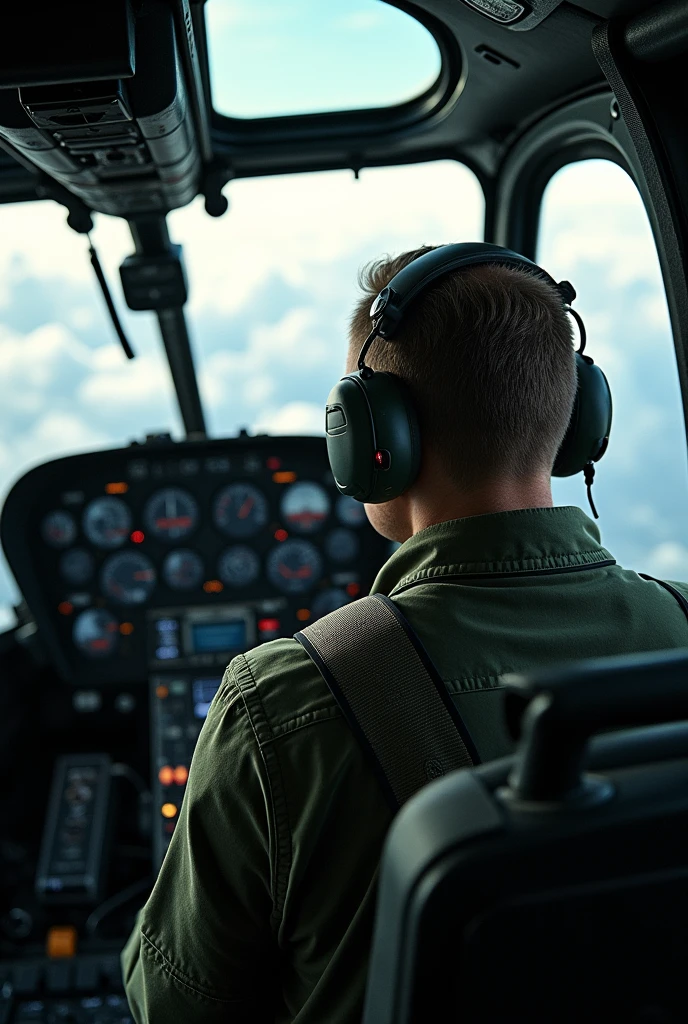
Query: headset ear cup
[588, 431]
[373, 441]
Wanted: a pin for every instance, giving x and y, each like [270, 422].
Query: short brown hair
[487, 354]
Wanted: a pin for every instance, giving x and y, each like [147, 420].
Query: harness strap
[677, 595]
[390, 693]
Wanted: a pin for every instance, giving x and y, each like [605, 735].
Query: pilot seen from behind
[263, 908]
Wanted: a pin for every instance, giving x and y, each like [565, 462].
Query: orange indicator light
[181, 774]
[213, 587]
[286, 476]
[161, 692]
[168, 810]
[303, 614]
[117, 488]
[138, 537]
[61, 942]
[126, 628]
[353, 589]
[65, 607]
[281, 535]
[166, 775]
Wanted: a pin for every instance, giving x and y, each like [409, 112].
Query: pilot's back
[284, 820]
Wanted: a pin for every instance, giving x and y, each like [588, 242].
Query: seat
[552, 886]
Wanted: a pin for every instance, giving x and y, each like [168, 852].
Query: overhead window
[595, 233]
[273, 58]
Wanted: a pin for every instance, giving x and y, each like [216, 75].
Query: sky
[271, 287]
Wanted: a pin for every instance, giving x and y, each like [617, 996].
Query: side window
[595, 233]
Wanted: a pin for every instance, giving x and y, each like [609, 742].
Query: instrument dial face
[240, 510]
[76, 566]
[58, 529]
[95, 633]
[341, 545]
[349, 511]
[328, 601]
[171, 514]
[128, 577]
[182, 569]
[239, 566]
[107, 522]
[294, 567]
[305, 507]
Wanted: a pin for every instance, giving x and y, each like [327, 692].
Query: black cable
[589, 473]
[114, 902]
[95, 263]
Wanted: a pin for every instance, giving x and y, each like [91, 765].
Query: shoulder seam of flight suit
[176, 974]
[260, 724]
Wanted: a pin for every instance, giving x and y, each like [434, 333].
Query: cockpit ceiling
[494, 81]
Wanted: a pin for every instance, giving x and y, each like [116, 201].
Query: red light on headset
[382, 459]
[138, 537]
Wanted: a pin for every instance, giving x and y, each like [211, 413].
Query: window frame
[228, 131]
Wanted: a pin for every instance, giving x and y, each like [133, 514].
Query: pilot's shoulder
[281, 686]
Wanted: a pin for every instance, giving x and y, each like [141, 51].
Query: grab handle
[562, 707]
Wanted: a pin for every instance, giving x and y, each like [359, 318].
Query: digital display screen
[207, 637]
[203, 692]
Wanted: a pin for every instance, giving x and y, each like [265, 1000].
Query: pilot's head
[487, 354]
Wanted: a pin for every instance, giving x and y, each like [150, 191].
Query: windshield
[271, 286]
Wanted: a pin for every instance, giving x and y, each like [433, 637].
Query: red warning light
[268, 625]
[65, 607]
[138, 537]
[281, 535]
[353, 589]
[273, 462]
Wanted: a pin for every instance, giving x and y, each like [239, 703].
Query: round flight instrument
[305, 507]
[182, 569]
[171, 514]
[58, 529]
[128, 577]
[341, 545]
[95, 633]
[294, 566]
[240, 510]
[76, 566]
[107, 522]
[349, 511]
[328, 601]
[238, 566]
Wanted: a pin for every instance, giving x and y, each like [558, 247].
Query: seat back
[552, 886]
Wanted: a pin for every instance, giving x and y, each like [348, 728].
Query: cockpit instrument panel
[228, 543]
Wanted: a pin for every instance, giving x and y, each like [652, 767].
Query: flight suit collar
[503, 542]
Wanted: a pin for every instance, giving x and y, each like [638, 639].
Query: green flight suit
[264, 905]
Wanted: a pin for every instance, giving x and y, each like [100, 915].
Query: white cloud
[668, 561]
[301, 226]
[271, 349]
[294, 418]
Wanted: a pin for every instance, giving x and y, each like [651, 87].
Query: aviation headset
[373, 442]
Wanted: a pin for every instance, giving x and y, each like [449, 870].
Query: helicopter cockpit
[188, 188]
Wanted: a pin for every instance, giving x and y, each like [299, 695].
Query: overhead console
[174, 557]
[96, 97]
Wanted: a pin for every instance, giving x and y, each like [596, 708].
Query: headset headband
[391, 304]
